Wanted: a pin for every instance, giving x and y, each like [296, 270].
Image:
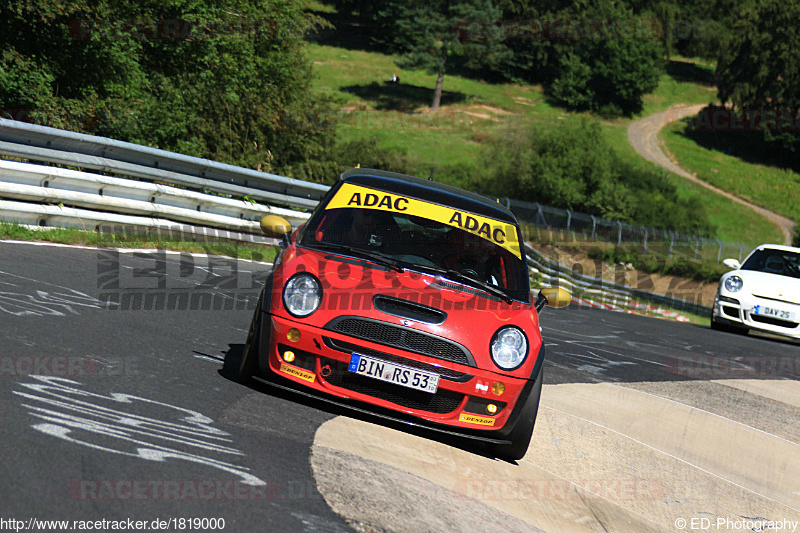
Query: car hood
[766, 284]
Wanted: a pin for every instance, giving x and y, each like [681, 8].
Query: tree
[430, 32]
[603, 58]
[224, 80]
[758, 69]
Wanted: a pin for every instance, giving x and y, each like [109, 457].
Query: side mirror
[553, 297]
[277, 228]
[731, 263]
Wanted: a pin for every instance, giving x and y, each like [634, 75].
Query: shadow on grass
[400, 96]
[690, 72]
[349, 31]
[748, 146]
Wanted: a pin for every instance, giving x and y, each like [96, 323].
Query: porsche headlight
[509, 347]
[734, 284]
[302, 295]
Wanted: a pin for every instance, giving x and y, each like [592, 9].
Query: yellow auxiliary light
[498, 388]
[491, 408]
[293, 334]
[288, 356]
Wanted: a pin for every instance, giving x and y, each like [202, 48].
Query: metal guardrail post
[594, 226]
[540, 214]
[645, 240]
[719, 253]
[671, 243]
[696, 247]
[619, 235]
[741, 250]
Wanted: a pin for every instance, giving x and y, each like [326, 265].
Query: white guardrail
[168, 191]
[162, 190]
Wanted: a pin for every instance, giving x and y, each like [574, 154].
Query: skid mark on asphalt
[602, 457]
[45, 303]
[116, 423]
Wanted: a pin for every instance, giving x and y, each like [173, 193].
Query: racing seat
[774, 264]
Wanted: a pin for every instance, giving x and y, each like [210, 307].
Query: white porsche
[762, 293]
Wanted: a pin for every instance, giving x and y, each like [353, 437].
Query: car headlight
[509, 347]
[302, 294]
[734, 283]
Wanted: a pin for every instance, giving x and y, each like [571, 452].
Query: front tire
[252, 347]
[520, 436]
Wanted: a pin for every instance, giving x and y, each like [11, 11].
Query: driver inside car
[363, 228]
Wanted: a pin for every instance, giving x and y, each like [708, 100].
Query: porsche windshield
[414, 241]
[781, 262]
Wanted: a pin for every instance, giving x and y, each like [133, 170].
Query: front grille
[773, 321]
[445, 373]
[407, 309]
[402, 338]
[444, 401]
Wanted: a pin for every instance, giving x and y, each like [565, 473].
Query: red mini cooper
[410, 297]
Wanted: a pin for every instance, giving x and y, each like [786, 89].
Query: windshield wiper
[372, 256]
[455, 275]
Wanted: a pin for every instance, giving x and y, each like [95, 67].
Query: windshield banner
[500, 233]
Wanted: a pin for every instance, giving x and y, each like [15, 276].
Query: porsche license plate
[393, 373]
[771, 311]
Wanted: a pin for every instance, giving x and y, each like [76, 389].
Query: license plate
[393, 373]
[771, 311]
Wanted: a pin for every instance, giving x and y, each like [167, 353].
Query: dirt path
[643, 136]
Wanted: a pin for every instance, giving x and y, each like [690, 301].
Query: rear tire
[520, 436]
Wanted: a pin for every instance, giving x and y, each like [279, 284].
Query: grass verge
[254, 252]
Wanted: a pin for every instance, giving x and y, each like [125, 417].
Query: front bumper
[321, 359]
[740, 312]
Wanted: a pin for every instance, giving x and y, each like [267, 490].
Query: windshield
[779, 262]
[413, 241]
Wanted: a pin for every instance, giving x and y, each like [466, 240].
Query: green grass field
[472, 112]
[773, 188]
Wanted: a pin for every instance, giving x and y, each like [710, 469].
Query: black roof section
[430, 191]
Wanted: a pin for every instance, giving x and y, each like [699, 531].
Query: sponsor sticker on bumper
[298, 372]
[472, 419]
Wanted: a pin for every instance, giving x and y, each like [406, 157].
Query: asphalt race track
[117, 403]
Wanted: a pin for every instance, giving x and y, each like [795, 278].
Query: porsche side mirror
[555, 297]
[731, 263]
[277, 228]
